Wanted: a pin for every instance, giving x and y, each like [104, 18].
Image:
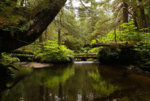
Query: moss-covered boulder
[118, 55]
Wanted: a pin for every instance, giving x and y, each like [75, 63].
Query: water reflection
[104, 88]
[79, 82]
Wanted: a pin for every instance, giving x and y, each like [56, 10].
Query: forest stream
[80, 81]
[48, 50]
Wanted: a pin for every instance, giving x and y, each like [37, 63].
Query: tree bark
[59, 36]
[135, 19]
[125, 12]
[40, 23]
[46, 34]
[41, 38]
[142, 14]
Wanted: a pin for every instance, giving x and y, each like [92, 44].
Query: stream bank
[132, 59]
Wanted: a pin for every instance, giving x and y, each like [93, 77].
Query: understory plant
[52, 52]
[128, 32]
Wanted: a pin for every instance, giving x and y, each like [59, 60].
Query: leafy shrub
[129, 32]
[144, 45]
[52, 52]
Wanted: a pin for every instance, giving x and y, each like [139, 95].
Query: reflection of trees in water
[4, 78]
[129, 88]
[81, 82]
[42, 85]
[79, 87]
[102, 87]
[7, 81]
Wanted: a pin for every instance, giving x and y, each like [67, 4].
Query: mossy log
[28, 52]
[120, 44]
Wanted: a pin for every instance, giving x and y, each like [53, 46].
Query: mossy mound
[121, 55]
[45, 59]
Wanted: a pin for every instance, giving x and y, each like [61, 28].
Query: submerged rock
[35, 64]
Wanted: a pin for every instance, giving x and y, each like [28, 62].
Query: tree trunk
[41, 38]
[59, 36]
[40, 23]
[125, 12]
[135, 19]
[22, 3]
[46, 34]
[142, 14]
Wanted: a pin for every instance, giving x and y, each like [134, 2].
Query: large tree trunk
[142, 14]
[41, 21]
[135, 19]
[125, 12]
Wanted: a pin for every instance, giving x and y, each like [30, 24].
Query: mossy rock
[108, 55]
[121, 55]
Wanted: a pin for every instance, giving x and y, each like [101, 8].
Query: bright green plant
[144, 44]
[129, 32]
[51, 51]
[105, 39]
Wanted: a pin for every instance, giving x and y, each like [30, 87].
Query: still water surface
[81, 81]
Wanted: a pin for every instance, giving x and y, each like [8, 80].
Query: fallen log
[120, 44]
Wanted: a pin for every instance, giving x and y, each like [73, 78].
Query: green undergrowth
[137, 53]
[7, 61]
[8, 58]
[47, 51]
[51, 52]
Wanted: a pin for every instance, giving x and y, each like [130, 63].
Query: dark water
[78, 82]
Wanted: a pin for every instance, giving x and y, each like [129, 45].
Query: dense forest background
[79, 25]
[94, 21]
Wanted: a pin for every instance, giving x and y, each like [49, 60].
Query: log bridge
[85, 56]
[113, 44]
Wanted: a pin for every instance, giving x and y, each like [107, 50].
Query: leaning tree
[23, 21]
